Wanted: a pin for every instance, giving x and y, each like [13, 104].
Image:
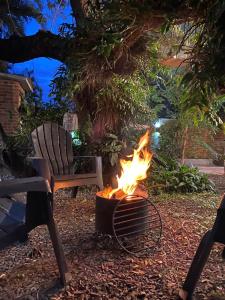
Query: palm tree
[15, 13]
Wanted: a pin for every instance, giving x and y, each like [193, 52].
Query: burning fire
[133, 170]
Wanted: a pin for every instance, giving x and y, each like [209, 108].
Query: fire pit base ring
[134, 222]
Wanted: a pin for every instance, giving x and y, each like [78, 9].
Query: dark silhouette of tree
[108, 37]
[15, 13]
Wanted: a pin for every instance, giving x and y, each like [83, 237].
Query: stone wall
[195, 148]
[11, 93]
[4, 169]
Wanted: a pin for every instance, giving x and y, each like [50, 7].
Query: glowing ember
[133, 170]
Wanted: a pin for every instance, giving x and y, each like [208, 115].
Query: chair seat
[74, 176]
[66, 181]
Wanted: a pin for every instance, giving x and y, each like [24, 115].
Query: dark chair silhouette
[18, 219]
[216, 234]
[53, 143]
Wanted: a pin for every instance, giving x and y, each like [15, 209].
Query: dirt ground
[29, 271]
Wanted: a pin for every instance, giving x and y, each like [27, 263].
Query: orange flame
[133, 170]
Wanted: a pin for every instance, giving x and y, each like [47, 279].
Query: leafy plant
[15, 14]
[109, 148]
[179, 178]
[170, 140]
[34, 112]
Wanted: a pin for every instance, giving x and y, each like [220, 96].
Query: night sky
[44, 68]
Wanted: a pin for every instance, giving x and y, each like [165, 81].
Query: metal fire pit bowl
[133, 221]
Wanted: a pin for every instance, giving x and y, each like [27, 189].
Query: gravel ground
[29, 271]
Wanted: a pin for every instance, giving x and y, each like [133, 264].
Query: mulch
[99, 271]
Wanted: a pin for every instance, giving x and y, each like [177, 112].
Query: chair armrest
[20, 185]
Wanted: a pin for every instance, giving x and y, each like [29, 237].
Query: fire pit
[124, 212]
[133, 221]
[127, 215]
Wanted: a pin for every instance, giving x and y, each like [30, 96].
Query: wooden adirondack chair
[53, 143]
[215, 235]
[18, 219]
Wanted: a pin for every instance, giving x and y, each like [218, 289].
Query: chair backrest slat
[36, 143]
[47, 133]
[62, 145]
[56, 147]
[54, 143]
[40, 147]
[69, 152]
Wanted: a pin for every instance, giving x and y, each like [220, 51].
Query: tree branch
[46, 44]
[42, 44]
[77, 9]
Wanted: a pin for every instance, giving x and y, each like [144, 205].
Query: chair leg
[65, 276]
[100, 185]
[223, 253]
[74, 192]
[100, 182]
[99, 172]
[197, 266]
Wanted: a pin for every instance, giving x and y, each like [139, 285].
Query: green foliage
[179, 178]
[165, 91]
[34, 112]
[89, 74]
[15, 13]
[125, 98]
[168, 98]
[113, 106]
[170, 140]
[205, 76]
[113, 35]
[109, 148]
[103, 43]
[132, 134]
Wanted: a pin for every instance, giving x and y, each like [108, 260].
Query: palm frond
[15, 13]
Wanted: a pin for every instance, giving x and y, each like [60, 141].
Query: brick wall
[194, 147]
[10, 100]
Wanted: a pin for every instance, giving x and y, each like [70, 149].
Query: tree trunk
[185, 135]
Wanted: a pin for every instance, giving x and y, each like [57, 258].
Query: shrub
[170, 141]
[179, 178]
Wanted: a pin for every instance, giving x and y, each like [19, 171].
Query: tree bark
[77, 9]
[185, 136]
[42, 44]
